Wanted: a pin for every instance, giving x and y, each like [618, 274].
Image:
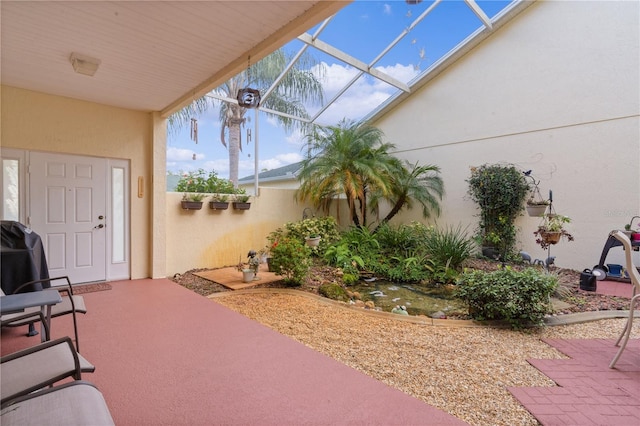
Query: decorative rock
[369, 305]
[400, 310]
[439, 315]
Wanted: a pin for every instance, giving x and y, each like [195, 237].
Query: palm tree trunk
[394, 211]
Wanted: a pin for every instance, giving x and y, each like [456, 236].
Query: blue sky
[362, 29]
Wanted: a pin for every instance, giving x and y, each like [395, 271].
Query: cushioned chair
[24, 376]
[39, 366]
[71, 304]
[76, 403]
[634, 275]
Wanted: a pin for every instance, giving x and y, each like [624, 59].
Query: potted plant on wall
[551, 230]
[241, 202]
[219, 202]
[192, 201]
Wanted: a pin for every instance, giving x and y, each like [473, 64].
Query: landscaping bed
[575, 299]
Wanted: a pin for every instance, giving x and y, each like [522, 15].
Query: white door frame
[117, 181]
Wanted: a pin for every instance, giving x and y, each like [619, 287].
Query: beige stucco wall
[555, 91]
[213, 238]
[39, 122]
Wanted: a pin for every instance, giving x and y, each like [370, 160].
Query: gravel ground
[464, 371]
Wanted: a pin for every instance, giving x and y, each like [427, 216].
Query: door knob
[100, 226]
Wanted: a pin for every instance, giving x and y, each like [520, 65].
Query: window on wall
[118, 231]
[11, 185]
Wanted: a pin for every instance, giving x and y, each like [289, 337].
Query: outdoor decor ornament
[254, 262]
[249, 98]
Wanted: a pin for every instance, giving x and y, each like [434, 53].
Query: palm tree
[298, 87]
[413, 184]
[349, 159]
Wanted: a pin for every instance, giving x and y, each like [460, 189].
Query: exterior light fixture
[248, 98]
[83, 64]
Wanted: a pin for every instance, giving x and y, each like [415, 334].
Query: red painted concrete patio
[167, 356]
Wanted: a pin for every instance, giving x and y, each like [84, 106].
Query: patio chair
[40, 366]
[71, 304]
[634, 275]
[75, 403]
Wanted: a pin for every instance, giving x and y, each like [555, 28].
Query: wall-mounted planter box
[219, 205]
[191, 205]
[241, 206]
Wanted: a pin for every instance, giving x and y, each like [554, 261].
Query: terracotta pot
[551, 237]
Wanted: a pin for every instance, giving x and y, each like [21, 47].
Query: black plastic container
[588, 281]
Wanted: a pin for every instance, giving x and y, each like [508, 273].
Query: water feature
[418, 299]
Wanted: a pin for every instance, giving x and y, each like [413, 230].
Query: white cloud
[280, 161]
[181, 154]
[221, 166]
[387, 9]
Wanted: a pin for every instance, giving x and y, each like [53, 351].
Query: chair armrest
[68, 289]
[32, 317]
[33, 368]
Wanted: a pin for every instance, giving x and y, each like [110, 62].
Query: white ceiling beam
[479, 13]
[350, 60]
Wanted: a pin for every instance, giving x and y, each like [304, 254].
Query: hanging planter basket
[536, 210]
[237, 205]
[551, 237]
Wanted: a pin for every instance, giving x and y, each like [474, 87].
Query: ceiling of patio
[155, 55]
[161, 55]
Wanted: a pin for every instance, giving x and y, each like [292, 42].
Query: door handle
[99, 226]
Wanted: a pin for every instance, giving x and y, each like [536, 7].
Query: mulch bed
[569, 290]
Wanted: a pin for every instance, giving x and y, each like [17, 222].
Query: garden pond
[418, 299]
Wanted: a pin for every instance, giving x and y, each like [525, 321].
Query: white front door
[67, 208]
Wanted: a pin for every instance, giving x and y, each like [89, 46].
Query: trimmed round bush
[521, 298]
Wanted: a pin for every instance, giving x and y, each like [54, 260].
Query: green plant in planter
[552, 230]
[500, 192]
[220, 198]
[193, 197]
[242, 198]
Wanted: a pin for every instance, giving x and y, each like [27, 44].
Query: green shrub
[324, 227]
[200, 181]
[340, 255]
[449, 247]
[333, 291]
[500, 192]
[521, 298]
[291, 259]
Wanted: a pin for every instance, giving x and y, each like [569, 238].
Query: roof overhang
[153, 55]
